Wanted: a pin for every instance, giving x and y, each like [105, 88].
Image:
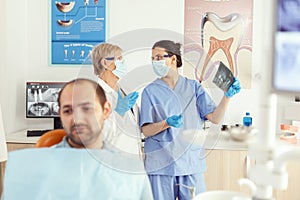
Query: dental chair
[50, 138]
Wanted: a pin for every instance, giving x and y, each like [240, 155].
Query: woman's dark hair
[171, 48]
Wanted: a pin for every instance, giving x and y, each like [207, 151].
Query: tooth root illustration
[65, 22]
[73, 53]
[223, 34]
[81, 53]
[86, 2]
[65, 7]
[215, 45]
[66, 53]
[95, 2]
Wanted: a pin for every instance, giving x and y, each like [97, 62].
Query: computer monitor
[286, 59]
[41, 101]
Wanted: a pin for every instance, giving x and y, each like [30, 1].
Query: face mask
[160, 68]
[121, 68]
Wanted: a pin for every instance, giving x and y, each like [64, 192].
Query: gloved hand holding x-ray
[175, 121]
[225, 80]
[234, 88]
[126, 103]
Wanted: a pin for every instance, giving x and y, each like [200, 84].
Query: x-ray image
[286, 58]
[42, 99]
[287, 62]
[288, 15]
[223, 78]
[39, 109]
[43, 94]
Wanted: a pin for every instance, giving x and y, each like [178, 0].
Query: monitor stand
[57, 123]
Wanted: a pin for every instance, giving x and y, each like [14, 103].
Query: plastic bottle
[247, 120]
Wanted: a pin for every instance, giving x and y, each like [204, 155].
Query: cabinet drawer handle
[246, 166]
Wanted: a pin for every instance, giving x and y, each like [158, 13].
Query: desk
[19, 140]
[15, 141]
[21, 137]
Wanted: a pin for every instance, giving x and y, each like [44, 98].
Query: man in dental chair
[81, 167]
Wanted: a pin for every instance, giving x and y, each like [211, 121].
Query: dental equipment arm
[190, 188]
[272, 173]
[288, 155]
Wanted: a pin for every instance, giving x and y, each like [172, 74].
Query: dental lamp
[269, 171]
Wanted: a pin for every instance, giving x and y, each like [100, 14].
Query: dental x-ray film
[224, 77]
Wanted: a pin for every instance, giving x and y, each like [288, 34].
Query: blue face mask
[121, 68]
[160, 68]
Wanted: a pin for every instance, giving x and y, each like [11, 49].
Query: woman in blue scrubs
[171, 105]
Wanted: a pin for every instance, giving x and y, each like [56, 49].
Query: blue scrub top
[168, 153]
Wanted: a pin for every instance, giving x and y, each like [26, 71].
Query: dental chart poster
[217, 31]
[76, 26]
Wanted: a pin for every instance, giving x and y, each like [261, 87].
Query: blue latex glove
[175, 121]
[126, 103]
[234, 88]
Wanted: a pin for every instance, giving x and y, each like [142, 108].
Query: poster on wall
[76, 26]
[218, 31]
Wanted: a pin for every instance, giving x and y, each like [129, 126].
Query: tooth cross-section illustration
[215, 45]
[221, 33]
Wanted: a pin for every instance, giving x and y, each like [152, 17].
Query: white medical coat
[121, 132]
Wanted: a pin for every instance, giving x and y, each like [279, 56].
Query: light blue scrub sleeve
[146, 114]
[205, 104]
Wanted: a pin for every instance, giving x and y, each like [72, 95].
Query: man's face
[82, 115]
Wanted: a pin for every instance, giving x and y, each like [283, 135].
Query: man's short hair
[99, 90]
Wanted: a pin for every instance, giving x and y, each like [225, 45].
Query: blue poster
[76, 27]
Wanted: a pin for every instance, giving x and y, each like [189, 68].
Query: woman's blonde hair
[100, 52]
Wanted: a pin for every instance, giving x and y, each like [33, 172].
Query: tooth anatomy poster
[76, 26]
[218, 30]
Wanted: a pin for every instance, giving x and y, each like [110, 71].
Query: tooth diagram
[81, 54]
[65, 22]
[65, 7]
[221, 33]
[66, 53]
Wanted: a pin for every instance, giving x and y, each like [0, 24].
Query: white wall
[25, 51]
[14, 63]
[26, 59]
[2, 49]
